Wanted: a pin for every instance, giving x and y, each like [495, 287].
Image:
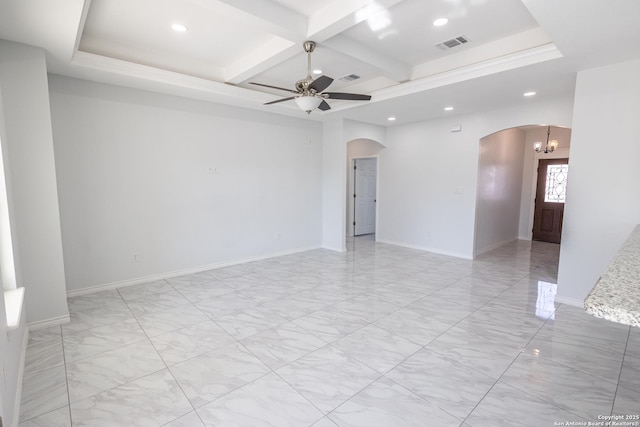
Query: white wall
[335, 135]
[7, 218]
[424, 164]
[357, 148]
[530, 174]
[12, 353]
[12, 348]
[357, 130]
[603, 193]
[499, 189]
[33, 191]
[134, 177]
[334, 157]
[12, 342]
[363, 148]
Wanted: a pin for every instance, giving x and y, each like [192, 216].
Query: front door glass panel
[556, 185]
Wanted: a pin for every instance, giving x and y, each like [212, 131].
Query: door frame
[351, 189]
[560, 153]
[537, 189]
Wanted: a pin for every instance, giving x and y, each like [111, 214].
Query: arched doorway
[362, 179]
[507, 183]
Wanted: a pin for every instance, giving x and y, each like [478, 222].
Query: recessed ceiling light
[317, 71]
[440, 22]
[529, 93]
[448, 108]
[179, 28]
[391, 119]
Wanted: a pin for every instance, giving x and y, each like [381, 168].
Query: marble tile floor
[377, 336]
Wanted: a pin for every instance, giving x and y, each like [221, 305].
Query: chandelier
[549, 148]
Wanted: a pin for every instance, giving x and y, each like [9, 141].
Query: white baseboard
[331, 248]
[424, 248]
[18, 397]
[492, 247]
[570, 301]
[176, 273]
[54, 321]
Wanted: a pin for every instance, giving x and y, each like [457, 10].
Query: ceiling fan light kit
[309, 92]
[308, 103]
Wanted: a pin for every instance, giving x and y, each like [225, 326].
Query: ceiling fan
[309, 92]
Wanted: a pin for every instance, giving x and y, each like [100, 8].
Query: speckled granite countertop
[616, 296]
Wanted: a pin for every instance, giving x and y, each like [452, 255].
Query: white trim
[502, 63]
[13, 304]
[18, 397]
[175, 273]
[123, 72]
[331, 248]
[570, 301]
[54, 321]
[424, 248]
[494, 246]
[351, 231]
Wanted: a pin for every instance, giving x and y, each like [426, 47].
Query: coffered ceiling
[512, 46]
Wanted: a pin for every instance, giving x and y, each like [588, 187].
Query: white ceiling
[515, 46]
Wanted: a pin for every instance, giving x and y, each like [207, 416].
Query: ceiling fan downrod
[303, 85]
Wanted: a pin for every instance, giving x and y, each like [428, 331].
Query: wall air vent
[349, 78]
[456, 41]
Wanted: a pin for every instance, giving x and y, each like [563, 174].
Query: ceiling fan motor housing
[309, 46]
[302, 86]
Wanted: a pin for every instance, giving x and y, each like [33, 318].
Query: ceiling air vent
[456, 41]
[349, 78]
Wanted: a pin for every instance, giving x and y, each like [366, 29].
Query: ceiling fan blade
[324, 106]
[280, 100]
[321, 83]
[349, 96]
[273, 87]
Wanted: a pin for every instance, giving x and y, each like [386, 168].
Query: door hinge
[354, 195]
[355, 167]
[354, 223]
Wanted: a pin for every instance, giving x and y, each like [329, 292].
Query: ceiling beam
[268, 16]
[288, 27]
[261, 59]
[117, 70]
[340, 15]
[512, 61]
[389, 67]
[107, 70]
[329, 21]
[40, 23]
[494, 49]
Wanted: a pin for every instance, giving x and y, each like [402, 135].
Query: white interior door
[365, 196]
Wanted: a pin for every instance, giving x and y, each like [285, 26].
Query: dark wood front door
[550, 197]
